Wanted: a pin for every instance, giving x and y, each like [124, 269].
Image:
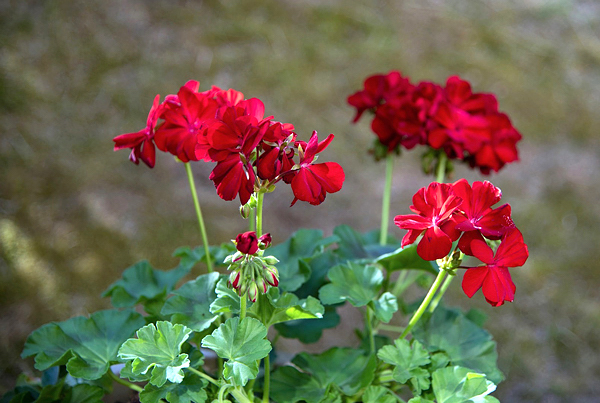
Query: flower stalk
[387, 192]
[209, 265]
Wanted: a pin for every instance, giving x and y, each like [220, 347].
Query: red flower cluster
[446, 213]
[252, 151]
[466, 125]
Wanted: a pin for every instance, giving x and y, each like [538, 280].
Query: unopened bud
[271, 260]
[234, 279]
[253, 292]
[245, 211]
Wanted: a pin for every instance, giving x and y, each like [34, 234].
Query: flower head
[247, 243]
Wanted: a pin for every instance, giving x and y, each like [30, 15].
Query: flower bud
[253, 292]
[270, 260]
[262, 285]
[247, 243]
[245, 211]
[271, 276]
[234, 279]
[265, 241]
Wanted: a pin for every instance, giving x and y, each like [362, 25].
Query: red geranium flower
[141, 143]
[377, 89]
[494, 278]
[247, 243]
[311, 182]
[434, 206]
[185, 117]
[476, 214]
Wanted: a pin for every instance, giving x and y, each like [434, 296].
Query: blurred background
[74, 214]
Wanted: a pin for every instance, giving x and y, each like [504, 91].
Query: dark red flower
[185, 117]
[476, 213]
[265, 240]
[311, 182]
[247, 243]
[494, 278]
[141, 142]
[378, 88]
[233, 177]
[434, 206]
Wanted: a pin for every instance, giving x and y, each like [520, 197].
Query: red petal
[473, 280]
[434, 245]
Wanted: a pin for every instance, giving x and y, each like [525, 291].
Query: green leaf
[273, 308]
[346, 368]
[86, 345]
[355, 283]
[304, 243]
[405, 259]
[227, 299]
[408, 360]
[190, 304]
[242, 344]
[309, 331]
[465, 343]
[141, 283]
[288, 385]
[84, 393]
[461, 385]
[378, 394]
[420, 399]
[157, 352]
[385, 306]
[190, 390]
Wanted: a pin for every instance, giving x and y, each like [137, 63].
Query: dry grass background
[73, 214]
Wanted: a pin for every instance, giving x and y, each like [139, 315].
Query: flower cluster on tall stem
[466, 126]
[446, 213]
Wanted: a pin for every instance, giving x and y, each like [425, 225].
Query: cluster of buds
[250, 271]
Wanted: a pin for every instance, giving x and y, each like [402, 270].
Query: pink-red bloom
[494, 278]
[142, 142]
[311, 182]
[247, 243]
[434, 207]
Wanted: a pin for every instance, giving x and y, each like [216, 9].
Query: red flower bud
[247, 243]
[265, 240]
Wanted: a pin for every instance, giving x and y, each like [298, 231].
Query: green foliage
[378, 394]
[227, 300]
[465, 343]
[309, 331]
[352, 282]
[242, 343]
[408, 361]
[385, 306]
[190, 390]
[406, 259]
[273, 308]
[156, 353]
[86, 345]
[461, 385]
[190, 304]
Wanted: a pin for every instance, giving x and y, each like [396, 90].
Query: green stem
[417, 315]
[440, 294]
[188, 169]
[124, 382]
[441, 168]
[267, 379]
[240, 396]
[259, 210]
[205, 376]
[390, 328]
[387, 192]
[243, 300]
[369, 320]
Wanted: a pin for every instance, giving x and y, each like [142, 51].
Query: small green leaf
[141, 283]
[352, 282]
[405, 259]
[227, 299]
[288, 385]
[84, 393]
[190, 390]
[385, 306]
[461, 385]
[86, 345]
[408, 361]
[309, 331]
[378, 394]
[420, 399]
[272, 308]
[190, 304]
[157, 352]
[466, 344]
[346, 368]
[242, 344]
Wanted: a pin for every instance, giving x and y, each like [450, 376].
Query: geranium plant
[214, 338]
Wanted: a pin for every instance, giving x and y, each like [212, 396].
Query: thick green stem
[123, 382]
[267, 379]
[441, 168]
[440, 294]
[243, 300]
[205, 376]
[390, 328]
[387, 193]
[188, 169]
[417, 315]
[259, 213]
[240, 396]
[369, 320]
